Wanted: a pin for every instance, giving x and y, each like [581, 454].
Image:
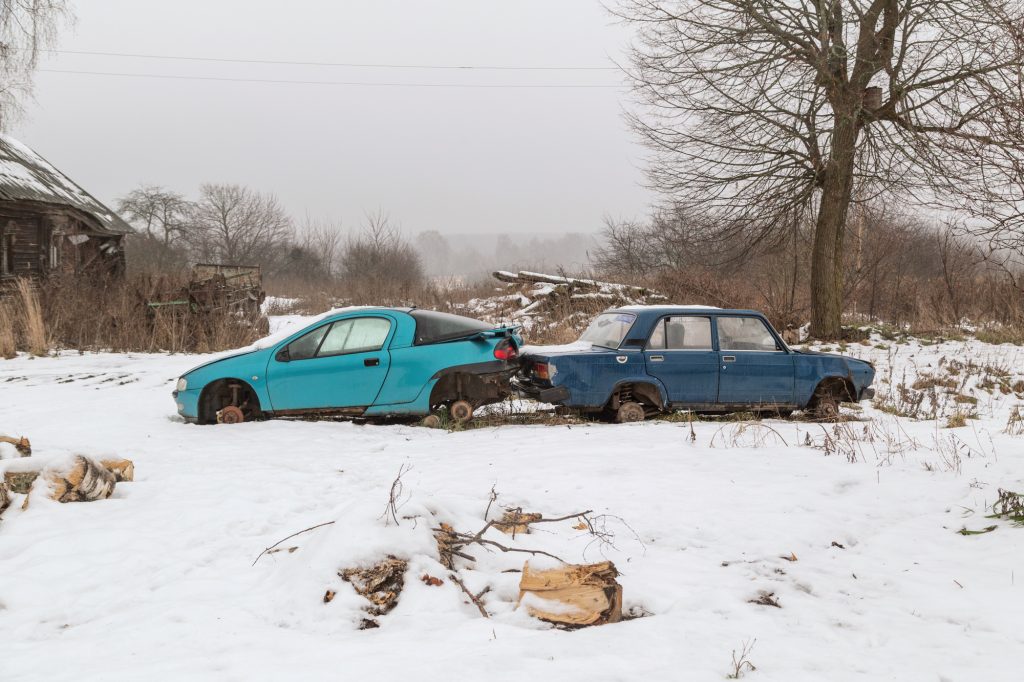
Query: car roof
[663, 309]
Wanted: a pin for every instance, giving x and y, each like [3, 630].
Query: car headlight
[182, 384]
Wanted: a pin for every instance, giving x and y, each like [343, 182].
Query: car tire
[630, 412]
[461, 411]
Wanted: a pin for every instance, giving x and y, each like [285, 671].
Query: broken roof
[26, 176]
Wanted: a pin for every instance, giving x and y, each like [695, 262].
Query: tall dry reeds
[8, 338]
[33, 326]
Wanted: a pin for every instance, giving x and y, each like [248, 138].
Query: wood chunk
[574, 595]
[381, 583]
[5, 497]
[22, 445]
[83, 481]
[516, 522]
[123, 469]
[20, 481]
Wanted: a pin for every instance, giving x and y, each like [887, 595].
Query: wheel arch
[838, 386]
[213, 395]
[648, 389]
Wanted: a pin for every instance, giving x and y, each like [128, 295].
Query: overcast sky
[485, 160]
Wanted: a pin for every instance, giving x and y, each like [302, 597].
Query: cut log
[20, 481]
[5, 497]
[22, 445]
[516, 521]
[573, 595]
[83, 480]
[123, 469]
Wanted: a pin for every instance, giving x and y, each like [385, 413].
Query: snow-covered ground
[158, 582]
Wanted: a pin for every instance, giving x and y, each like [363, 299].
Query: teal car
[358, 362]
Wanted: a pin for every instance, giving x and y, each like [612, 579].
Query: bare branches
[394, 495]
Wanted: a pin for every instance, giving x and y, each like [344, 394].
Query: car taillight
[506, 350]
[540, 370]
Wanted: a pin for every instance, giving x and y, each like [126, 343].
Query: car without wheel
[358, 362]
[636, 361]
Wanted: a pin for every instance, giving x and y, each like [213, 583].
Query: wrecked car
[358, 362]
[636, 361]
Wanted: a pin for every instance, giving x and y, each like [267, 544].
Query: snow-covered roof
[666, 307]
[26, 176]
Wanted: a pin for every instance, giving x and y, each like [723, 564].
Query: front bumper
[866, 393]
[187, 403]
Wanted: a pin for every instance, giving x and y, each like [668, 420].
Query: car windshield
[433, 327]
[608, 329]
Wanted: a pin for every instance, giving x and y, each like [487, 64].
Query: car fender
[639, 379]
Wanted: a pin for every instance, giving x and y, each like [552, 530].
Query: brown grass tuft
[33, 326]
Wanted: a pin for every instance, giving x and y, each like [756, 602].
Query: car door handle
[728, 358]
[657, 358]
[372, 362]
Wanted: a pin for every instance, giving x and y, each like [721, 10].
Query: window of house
[6, 252]
[681, 333]
[745, 333]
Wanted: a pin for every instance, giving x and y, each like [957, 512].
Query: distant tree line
[237, 225]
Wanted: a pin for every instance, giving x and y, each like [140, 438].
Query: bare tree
[233, 224]
[27, 27]
[760, 112]
[379, 261]
[160, 217]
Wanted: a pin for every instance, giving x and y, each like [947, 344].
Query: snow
[158, 582]
[667, 307]
[562, 348]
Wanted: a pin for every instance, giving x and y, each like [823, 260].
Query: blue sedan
[636, 361]
[369, 362]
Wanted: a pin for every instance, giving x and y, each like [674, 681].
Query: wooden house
[50, 225]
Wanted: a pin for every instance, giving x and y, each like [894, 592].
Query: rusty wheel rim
[631, 412]
[230, 415]
[461, 411]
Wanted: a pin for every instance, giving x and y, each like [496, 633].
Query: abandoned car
[636, 361]
[358, 362]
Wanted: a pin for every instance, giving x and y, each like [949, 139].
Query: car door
[680, 353]
[756, 368]
[341, 364]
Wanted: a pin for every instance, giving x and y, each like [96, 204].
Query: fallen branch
[475, 598]
[304, 530]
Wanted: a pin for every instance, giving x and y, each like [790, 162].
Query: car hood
[845, 358]
[223, 358]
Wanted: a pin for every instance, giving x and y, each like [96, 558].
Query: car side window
[305, 346]
[359, 335]
[745, 333]
[681, 333]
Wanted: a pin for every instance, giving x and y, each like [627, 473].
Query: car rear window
[433, 327]
[608, 329]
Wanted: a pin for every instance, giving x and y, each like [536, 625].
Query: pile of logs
[72, 479]
[538, 298]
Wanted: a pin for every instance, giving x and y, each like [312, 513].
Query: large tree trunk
[827, 254]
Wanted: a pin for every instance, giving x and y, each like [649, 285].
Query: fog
[511, 161]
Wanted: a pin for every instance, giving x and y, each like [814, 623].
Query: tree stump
[574, 595]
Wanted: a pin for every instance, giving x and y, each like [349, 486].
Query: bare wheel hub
[461, 411]
[630, 412]
[827, 408]
[230, 415]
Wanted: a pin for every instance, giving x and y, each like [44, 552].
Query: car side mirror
[283, 355]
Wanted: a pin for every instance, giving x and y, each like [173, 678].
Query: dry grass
[8, 339]
[33, 326]
[113, 315]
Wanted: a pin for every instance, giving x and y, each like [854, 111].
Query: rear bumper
[545, 394]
